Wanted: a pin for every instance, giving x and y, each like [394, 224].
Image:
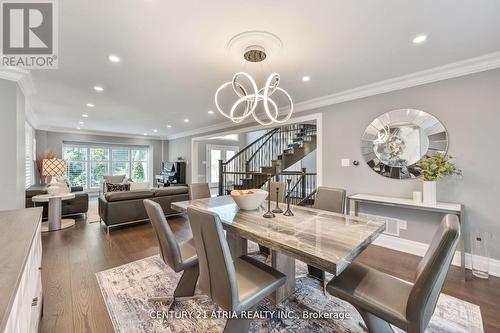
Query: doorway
[214, 154]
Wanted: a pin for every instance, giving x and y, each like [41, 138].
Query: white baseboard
[419, 249]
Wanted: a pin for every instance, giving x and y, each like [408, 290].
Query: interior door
[214, 154]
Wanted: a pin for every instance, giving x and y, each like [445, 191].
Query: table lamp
[53, 167]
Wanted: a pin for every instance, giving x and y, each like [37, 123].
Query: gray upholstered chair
[199, 191]
[181, 257]
[332, 200]
[235, 285]
[382, 299]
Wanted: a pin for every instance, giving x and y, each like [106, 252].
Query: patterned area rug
[126, 289]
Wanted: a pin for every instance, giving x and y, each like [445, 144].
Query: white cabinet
[25, 313]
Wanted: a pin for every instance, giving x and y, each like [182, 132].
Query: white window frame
[88, 161]
[29, 155]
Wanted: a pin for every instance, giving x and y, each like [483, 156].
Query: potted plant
[433, 168]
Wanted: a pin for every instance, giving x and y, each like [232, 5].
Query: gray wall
[469, 107]
[202, 154]
[12, 169]
[53, 141]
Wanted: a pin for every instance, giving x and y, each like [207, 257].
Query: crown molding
[21, 76]
[208, 129]
[83, 132]
[449, 71]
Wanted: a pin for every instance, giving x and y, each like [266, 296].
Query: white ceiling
[174, 54]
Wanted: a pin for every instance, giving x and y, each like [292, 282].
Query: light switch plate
[345, 162]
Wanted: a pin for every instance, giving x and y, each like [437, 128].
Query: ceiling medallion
[249, 97]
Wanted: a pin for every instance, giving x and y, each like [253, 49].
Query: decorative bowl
[249, 199]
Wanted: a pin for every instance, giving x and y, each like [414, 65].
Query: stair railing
[261, 152]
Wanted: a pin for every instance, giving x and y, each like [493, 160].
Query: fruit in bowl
[249, 199]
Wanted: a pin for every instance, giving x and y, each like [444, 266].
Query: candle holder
[269, 213]
[288, 211]
[277, 209]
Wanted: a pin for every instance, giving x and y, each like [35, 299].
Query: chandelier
[249, 97]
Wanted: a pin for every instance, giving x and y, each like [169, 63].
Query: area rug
[126, 289]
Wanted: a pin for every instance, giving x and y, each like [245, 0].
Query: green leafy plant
[437, 166]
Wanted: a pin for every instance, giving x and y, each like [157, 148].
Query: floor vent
[392, 227]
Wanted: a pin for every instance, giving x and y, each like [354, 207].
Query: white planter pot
[429, 189]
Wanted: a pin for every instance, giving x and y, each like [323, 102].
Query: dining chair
[382, 299]
[332, 200]
[199, 191]
[181, 257]
[234, 284]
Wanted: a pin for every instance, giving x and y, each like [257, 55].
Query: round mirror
[394, 142]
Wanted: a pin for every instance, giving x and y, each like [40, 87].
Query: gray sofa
[78, 205]
[120, 208]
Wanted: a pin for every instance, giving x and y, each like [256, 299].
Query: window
[76, 165]
[29, 155]
[88, 163]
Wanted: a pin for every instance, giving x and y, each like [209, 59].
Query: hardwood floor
[73, 301]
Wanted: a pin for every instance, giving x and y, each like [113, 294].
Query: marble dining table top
[326, 240]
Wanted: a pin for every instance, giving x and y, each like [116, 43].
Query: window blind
[88, 163]
[29, 155]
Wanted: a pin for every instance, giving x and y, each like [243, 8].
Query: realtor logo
[29, 33]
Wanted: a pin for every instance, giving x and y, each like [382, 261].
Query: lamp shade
[53, 167]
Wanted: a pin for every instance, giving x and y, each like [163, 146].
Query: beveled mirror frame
[388, 127]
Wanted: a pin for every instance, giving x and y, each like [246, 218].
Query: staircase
[268, 157]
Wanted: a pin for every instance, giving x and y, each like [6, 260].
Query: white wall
[12, 171]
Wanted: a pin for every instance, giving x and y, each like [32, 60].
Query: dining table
[325, 240]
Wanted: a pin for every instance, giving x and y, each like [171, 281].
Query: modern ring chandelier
[249, 100]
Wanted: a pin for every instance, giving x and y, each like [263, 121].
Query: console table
[440, 207]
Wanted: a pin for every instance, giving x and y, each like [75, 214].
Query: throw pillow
[111, 187]
[138, 186]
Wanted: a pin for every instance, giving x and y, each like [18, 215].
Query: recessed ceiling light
[210, 111]
[419, 39]
[155, 130]
[84, 115]
[98, 88]
[306, 78]
[145, 133]
[113, 58]
[78, 128]
[90, 105]
[81, 122]
[186, 120]
[169, 126]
